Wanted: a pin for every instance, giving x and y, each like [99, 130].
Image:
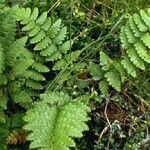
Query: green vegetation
[74, 75]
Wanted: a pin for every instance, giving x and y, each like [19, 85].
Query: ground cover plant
[74, 75]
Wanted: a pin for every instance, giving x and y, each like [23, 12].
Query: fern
[137, 50]
[48, 38]
[61, 118]
[135, 39]
[108, 72]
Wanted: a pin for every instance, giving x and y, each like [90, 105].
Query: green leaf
[130, 35]
[34, 31]
[43, 44]
[104, 87]
[37, 38]
[142, 51]
[130, 68]
[104, 61]
[140, 23]
[49, 50]
[46, 25]
[22, 97]
[65, 46]
[54, 56]
[145, 39]
[62, 123]
[53, 31]
[34, 85]
[134, 27]
[40, 67]
[1, 60]
[123, 38]
[60, 36]
[113, 79]
[29, 26]
[42, 18]
[62, 63]
[3, 100]
[34, 14]
[73, 56]
[134, 57]
[95, 71]
[145, 17]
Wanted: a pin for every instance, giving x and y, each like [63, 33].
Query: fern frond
[65, 46]
[49, 50]
[60, 36]
[3, 101]
[34, 85]
[40, 67]
[64, 121]
[104, 60]
[22, 97]
[113, 79]
[145, 17]
[140, 23]
[134, 57]
[55, 28]
[8, 28]
[130, 35]
[104, 87]
[142, 51]
[145, 39]
[134, 27]
[2, 59]
[96, 71]
[123, 38]
[43, 44]
[130, 68]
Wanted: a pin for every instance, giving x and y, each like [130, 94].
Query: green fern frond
[137, 33]
[38, 37]
[8, 28]
[60, 64]
[55, 28]
[21, 66]
[54, 56]
[104, 87]
[65, 119]
[96, 71]
[60, 36]
[113, 79]
[134, 57]
[142, 51]
[104, 60]
[140, 23]
[134, 27]
[43, 44]
[22, 97]
[123, 38]
[130, 35]
[34, 85]
[67, 59]
[145, 17]
[3, 101]
[40, 67]
[49, 50]
[145, 39]
[34, 75]
[65, 46]
[129, 67]
[2, 59]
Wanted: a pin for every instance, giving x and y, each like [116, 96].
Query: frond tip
[53, 125]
